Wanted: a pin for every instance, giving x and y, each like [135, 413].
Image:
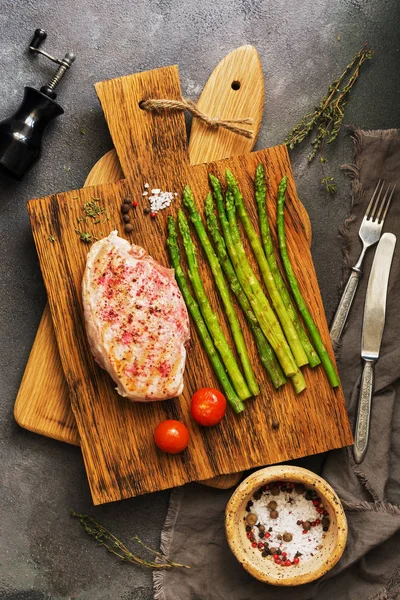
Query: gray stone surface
[43, 553]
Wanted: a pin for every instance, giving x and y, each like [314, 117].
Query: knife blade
[372, 332]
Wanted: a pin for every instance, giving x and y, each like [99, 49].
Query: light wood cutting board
[116, 436]
[42, 404]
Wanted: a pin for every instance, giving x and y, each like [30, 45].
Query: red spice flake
[164, 368]
[127, 338]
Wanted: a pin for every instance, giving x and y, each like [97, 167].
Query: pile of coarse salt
[291, 508]
[158, 198]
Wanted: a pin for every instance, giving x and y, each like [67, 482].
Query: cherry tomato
[208, 406]
[171, 436]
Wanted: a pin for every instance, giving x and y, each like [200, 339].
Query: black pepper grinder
[21, 134]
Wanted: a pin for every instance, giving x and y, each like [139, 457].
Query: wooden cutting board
[42, 404]
[117, 436]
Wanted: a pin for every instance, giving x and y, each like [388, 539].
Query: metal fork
[370, 232]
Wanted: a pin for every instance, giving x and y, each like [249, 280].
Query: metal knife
[373, 324]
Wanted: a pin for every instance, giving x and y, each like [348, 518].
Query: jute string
[214, 122]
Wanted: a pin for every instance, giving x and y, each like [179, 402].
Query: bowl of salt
[286, 525]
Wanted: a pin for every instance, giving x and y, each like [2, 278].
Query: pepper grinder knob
[38, 38]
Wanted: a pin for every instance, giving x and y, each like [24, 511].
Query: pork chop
[136, 320]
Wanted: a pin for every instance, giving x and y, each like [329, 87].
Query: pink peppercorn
[267, 535]
[316, 502]
[317, 521]
[254, 544]
[305, 531]
[154, 214]
[260, 545]
[296, 560]
[288, 563]
[134, 203]
[276, 556]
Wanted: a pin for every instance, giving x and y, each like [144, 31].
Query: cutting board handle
[143, 139]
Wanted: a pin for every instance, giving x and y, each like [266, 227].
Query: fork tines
[377, 208]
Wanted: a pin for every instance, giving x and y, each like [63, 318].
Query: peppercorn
[306, 525]
[275, 490]
[274, 514]
[279, 551]
[153, 215]
[248, 528]
[128, 228]
[125, 208]
[272, 505]
[279, 537]
[299, 522]
[275, 424]
[261, 528]
[254, 544]
[146, 210]
[325, 524]
[134, 203]
[126, 219]
[287, 537]
[266, 545]
[265, 553]
[257, 495]
[288, 563]
[251, 519]
[273, 551]
[260, 545]
[127, 201]
[299, 487]
[296, 560]
[261, 535]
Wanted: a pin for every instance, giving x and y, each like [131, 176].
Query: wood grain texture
[116, 436]
[42, 404]
[221, 100]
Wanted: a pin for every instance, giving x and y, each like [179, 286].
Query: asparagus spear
[193, 308]
[189, 202]
[260, 194]
[286, 322]
[315, 336]
[259, 303]
[265, 351]
[209, 316]
[266, 316]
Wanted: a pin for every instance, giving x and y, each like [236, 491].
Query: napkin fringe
[381, 507]
[391, 590]
[166, 538]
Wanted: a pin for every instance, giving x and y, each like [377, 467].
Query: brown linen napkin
[370, 567]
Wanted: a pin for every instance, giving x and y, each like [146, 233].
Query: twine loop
[158, 105]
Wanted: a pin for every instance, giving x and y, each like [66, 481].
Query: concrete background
[43, 553]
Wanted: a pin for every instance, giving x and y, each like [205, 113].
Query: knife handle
[343, 309]
[364, 412]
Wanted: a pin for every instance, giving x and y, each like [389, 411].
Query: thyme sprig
[115, 546]
[327, 118]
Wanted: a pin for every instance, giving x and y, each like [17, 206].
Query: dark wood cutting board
[116, 436]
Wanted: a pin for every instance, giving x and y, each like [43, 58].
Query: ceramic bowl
[264, 569]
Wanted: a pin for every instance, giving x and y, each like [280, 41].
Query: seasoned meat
[136, 320]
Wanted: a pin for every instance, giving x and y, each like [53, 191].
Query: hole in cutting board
[235, 85]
